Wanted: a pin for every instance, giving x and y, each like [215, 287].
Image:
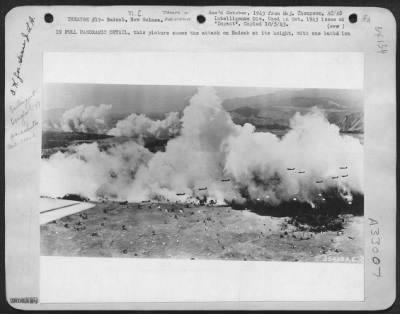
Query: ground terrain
[186, 231]
[170, 230]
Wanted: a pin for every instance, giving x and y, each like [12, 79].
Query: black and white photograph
[202, 172]
[200, 158]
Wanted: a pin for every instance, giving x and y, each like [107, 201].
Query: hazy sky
[134, 98]
[73, 79]
[153, 99]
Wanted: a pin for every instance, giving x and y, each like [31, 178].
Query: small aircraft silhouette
[225, 180]
[336, 177]
[180, 194]
[301, 171]
[319, 181]
[344, 176]
[203, 189]
[344, 167]
[290, 169]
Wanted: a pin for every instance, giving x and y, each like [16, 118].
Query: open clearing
[185, 231]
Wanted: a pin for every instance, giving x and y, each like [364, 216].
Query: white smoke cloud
[210, 148]
[141, 126]
[97, 119]
[86, 119]
[313, 147]
[194, 159]
[88, 171]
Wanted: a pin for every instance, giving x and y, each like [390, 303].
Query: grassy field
[196, 232]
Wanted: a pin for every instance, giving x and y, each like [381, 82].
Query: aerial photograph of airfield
[197, 173]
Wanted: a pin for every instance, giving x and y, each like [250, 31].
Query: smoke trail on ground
[214, 157]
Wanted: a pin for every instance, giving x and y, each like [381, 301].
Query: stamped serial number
[376, 242]
[25, 300]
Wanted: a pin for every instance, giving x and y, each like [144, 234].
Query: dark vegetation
[75, 197]
[52, 139]
[156, 144]
[326, 215]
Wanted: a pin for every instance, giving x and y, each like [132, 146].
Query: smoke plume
[213, 157]
[86, 119]
[97, 119]
[91, 172]
[141, 126]
[312, 157]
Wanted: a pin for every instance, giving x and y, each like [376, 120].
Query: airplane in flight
[225, 180]
[344, 167]
[290, 169]
[301, 171]
[180, 194]
[203, 189]
[336, 177]
[344, 176]
[319, 181]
